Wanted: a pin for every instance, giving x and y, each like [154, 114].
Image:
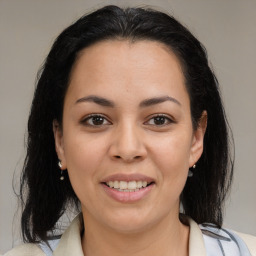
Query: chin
[130, 223]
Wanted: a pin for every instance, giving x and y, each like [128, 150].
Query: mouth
[128, 186]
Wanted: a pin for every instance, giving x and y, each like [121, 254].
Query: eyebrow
[98, 100]
[145, 103]
[158, 100]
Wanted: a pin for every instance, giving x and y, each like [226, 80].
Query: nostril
[136, 157]
[127, 158]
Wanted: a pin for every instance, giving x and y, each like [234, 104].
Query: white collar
[70, 242]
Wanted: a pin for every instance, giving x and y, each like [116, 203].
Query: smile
[127, 192]
[124, 186]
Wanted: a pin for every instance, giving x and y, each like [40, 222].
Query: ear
[197, 145]
[59, 145]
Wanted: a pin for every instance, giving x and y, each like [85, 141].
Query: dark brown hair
[44, 197]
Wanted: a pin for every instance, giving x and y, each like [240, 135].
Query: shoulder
[227, 240]
[26, 250]
[249, 240]
[66, 244]
[41, 249]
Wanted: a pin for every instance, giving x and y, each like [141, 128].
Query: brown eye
[95, 120]
[159, 120]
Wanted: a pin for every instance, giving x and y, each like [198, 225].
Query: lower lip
[127, 196]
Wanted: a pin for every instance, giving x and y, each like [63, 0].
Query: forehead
[118, 66]
[141, 54]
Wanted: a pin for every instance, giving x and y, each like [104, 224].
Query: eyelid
[87, 117]
[168, 117]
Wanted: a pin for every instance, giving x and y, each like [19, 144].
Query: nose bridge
[128, 141]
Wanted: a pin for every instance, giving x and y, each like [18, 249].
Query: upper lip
[128, 177]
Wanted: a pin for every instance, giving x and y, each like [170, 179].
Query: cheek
[171, 155]
[172, 160]
[173, 151]
[83, 156]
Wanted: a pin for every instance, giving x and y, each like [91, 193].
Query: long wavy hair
[44, 198]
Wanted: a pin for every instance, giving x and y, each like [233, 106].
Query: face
[127, 139]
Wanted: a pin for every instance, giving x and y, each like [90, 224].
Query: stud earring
[61, 175]
[190, 173]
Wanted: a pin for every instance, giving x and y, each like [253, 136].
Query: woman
[127, 125]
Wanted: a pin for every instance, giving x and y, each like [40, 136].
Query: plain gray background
[226, 27]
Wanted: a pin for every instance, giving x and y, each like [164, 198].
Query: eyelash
[167, 118]
[90, 118]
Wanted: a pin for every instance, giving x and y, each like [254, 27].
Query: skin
[129, 140]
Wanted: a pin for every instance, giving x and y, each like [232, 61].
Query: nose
[127, 144]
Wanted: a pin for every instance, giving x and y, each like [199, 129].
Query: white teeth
[116, 184]
[139, 184]
[125, 186]
[144, 184]
[132, 185]
[111, 184]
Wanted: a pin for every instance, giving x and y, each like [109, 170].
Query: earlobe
[198, 140]
[59, 147]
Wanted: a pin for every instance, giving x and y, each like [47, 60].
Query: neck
[169, 237]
